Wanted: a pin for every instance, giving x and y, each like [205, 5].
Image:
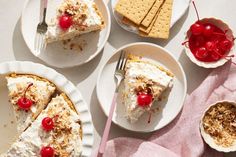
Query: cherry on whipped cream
[207, 42]
[25, 103]
[65, 21]
[47, 124]
[144, 99]
[47, 152]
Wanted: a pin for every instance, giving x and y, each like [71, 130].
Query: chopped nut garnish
[78, 11]
[220, 123]
[62, 130]
[147, 86]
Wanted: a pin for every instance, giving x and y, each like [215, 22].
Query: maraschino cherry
[144, 99]
[197, 29]
[208, 42]
[210, 45]
[47, 124]
[201, 53]
[208, 30]
[226, 45]
[25, 103]
[65, 21]
[47, 152]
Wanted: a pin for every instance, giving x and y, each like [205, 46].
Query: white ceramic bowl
[54, 54]
[209, 140]
[8, 129]
[222, 61]
[169, 107]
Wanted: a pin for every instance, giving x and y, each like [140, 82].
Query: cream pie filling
[65, 138]
[40, 93]
[86, 18]
[141, 75]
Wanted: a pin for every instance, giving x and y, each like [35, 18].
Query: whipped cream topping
[151, 72]
[34, 138]
[93, 20]
[40, 93]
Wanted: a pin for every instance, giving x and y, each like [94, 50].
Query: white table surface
[84, 77]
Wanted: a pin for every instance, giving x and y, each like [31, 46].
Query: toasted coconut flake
[220, 123]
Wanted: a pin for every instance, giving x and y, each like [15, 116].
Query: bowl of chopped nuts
[218, 126]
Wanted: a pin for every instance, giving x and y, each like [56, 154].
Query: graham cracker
[134, 10]
[152, 13]
[146, 30]
[161, 27]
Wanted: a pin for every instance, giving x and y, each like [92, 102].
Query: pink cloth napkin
[182, 138]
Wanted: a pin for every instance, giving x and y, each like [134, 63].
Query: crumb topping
[17, 94]
[148, 86]
[77, 10]
[62, 133]
[220, 123]
[32, 93]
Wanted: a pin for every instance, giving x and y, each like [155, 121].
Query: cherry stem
[183, 43]
[55, 117]
[226, 57]
[194, 5]
[219, 34]
[31, 84]
[149, 117]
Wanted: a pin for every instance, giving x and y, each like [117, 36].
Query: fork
[39, 42]
[119, 76]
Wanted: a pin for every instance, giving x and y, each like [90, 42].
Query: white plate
[179, 8]
[8, 130]
[54, 54]
[170, 107]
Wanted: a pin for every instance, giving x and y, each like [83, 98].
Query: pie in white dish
[71, 18]
[61, 137]
[144, 83]
[29, 95]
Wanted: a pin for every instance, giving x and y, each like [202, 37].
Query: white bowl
[222, 61]
[209, 140]
[54, 54]
[169, 107]
[8, 133]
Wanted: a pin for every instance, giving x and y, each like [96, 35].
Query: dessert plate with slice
[43, 114]
[159, 14]
[152, 92]
[77, 30]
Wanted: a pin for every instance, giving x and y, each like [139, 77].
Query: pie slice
[144, 82]
[69, 18]
[29, 95]
[61, 134]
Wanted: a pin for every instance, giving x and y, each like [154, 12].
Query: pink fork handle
[45, 3]
[108, 126]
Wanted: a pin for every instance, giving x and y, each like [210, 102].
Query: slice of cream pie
[69, 18]
[29, 95]
[56, 132]
[144, 82]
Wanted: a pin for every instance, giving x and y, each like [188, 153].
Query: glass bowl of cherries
[209, 42]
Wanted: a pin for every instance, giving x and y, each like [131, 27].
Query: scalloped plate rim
[20, 66]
